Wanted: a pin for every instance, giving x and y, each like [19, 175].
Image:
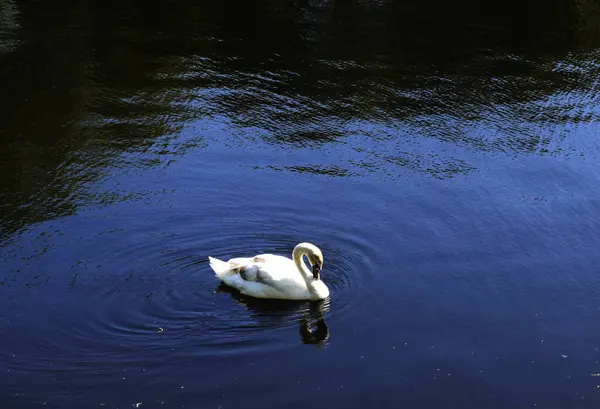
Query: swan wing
[263, 276]
[272, 269]
[277, 272]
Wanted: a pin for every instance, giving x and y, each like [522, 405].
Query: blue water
[443, 159]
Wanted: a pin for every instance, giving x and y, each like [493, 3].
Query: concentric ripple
[179, 305]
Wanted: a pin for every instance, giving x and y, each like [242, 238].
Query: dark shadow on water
[312, 326]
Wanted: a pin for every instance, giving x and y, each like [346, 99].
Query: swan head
[314, 255]
[316, 262]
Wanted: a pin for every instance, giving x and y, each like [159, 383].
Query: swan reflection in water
[270, 313]
[319, 334]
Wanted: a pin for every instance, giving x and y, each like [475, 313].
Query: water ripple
[180, 306]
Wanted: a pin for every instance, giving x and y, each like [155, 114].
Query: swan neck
[301, 266]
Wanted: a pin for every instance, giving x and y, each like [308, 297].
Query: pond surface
[444, 157]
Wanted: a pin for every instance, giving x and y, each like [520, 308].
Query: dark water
[443, 155]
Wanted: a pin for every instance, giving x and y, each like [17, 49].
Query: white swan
[272, 276]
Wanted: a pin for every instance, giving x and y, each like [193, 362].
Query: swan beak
[316, 269]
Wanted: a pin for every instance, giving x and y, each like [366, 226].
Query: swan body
[273, 276]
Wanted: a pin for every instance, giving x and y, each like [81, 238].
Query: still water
[444, 157]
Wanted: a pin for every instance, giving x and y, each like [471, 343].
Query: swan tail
[221, 268]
